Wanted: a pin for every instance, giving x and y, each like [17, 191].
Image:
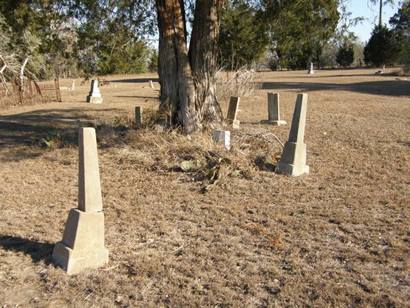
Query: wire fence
[31, 92]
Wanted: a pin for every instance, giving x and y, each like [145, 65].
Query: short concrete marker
[311, 69]
[223, 137]
[95, 95]
[233, 112]
[82, 246]
[151, 84]
[138, 117]
[293, 159]
[274, 110]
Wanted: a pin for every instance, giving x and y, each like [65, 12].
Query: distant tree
[299, 29]
[382, 48]
[345, 55]
[358, 48]
[153, 61]
[328, 55]
[381, 3]
[401, 27]
[401, 20]
[95, 37]
[110, 35]
[23, 22]
[9, 63]
[240, 23]
[342, 37]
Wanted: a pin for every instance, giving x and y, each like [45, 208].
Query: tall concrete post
[83, 246]
[293, 159]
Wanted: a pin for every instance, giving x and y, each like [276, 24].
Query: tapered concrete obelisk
[274, 110]
[293, 159]
[95, 95]
[82, 246]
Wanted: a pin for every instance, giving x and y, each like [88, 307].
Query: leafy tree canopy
[243, 37]
[345, 55]
[98, 37]
[299, 29]
[382, 48]
[401, 27]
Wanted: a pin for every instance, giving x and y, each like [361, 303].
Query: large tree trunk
[187, 78]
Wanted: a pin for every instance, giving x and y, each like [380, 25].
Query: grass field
[339, 236]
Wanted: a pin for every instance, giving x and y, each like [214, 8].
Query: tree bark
[187, 78]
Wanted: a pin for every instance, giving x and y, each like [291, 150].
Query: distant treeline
[97, 37]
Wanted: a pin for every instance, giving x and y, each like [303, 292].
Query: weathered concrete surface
[83, 242]
[274, 110]
[293, 159]
[223, 137]
[236, 124]
[82, 246]
[311, 69]
[138, 117]
[95, 95]
[233, 108]
[89, 193]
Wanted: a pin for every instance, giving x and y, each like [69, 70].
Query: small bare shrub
[238, 83]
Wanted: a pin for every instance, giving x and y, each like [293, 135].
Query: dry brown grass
[338, 237]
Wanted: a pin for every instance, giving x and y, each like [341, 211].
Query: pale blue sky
[371, 12]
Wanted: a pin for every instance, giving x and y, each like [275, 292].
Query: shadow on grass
[27, 135]
[264, 164]
[136, 80]
[138, 96]
[385, 87]
[38, 251]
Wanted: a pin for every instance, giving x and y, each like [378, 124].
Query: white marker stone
[274, 110]
[311, 69]
[223, 137]
[82, 246]
[151, 84]
[233, 112]
[95, 95]
[293, 159]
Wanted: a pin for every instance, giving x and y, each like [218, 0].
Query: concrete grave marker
[274, 109]
[95, 95]
[223, 137]
[138, 117]
[293, 159]
[311, 69]
[233, 111]
[82, 246]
